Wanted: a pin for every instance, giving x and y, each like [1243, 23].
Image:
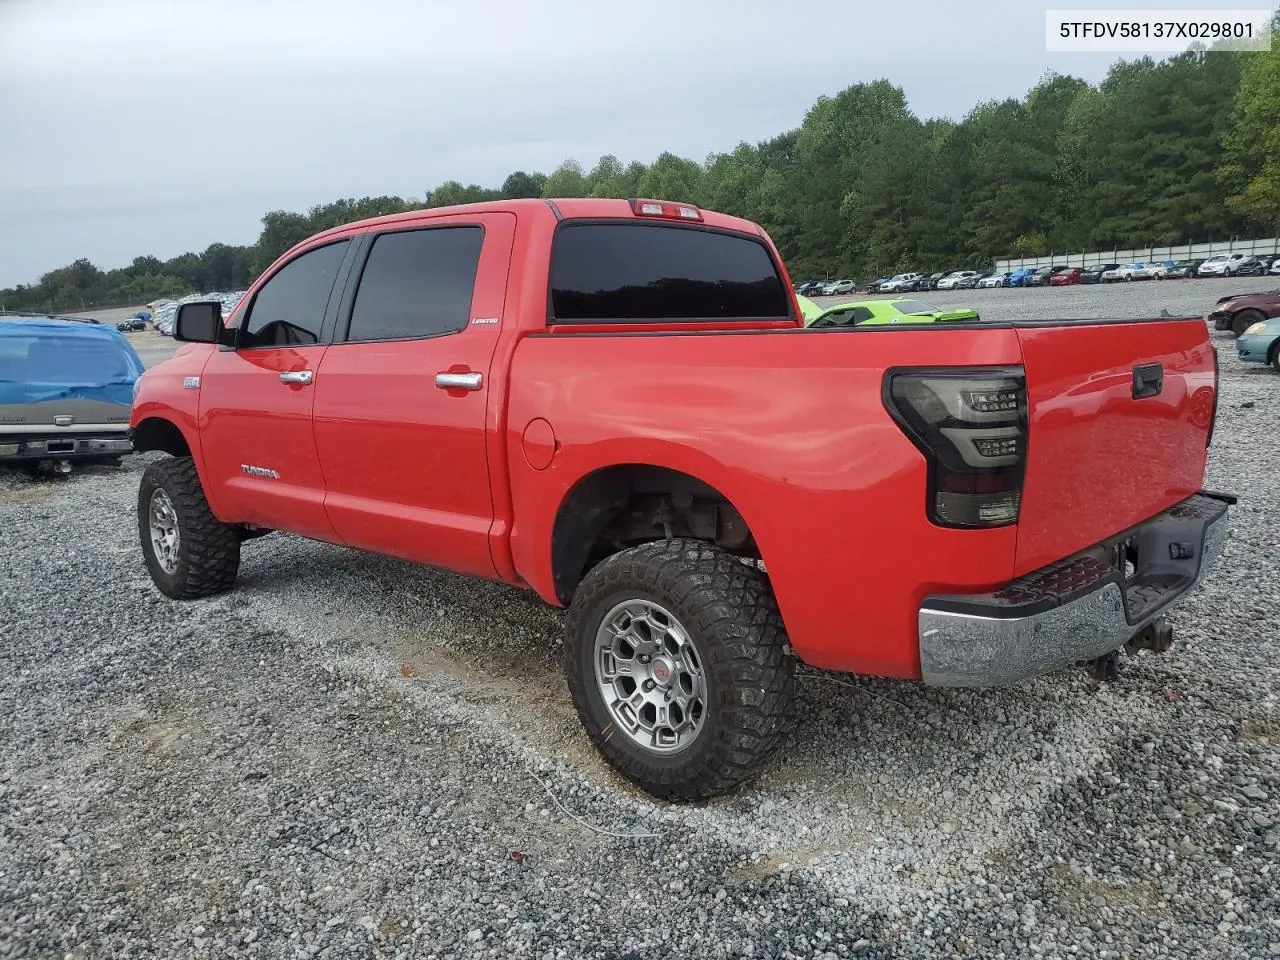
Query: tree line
[1160, 152]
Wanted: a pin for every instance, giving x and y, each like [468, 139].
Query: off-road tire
[208, 550]
[729, 611]
[1243, 320]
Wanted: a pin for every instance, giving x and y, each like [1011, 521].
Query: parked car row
[1239, 265]
[166, 310]
[826, 288]
[1223, 265]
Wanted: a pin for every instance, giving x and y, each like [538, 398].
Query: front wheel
[188, 551]
[1245, 319]
[677, 663]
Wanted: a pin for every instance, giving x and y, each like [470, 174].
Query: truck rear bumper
[1078, 609]
[19, 447]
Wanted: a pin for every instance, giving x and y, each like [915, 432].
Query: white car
[1130, 271]
[950, 280]
[898, 282]
[1275, 268]
[840, 288]
[1223, 265]
[995, 280]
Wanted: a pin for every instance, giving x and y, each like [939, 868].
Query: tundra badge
[260, 472]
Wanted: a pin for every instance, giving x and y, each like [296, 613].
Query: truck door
[255, 401]
[403, 399]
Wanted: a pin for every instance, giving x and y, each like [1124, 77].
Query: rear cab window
[624, 272]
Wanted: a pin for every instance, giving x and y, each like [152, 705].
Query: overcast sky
[159, 126]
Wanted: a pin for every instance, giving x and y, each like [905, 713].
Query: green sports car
[808, 309]
[875, 313]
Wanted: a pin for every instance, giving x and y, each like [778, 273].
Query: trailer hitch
[1105, 668]
[1157, 636]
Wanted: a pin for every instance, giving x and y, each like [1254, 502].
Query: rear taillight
[971, 425]
[1213, 415]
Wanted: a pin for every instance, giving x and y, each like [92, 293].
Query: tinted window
[638, 272]
[914, 306]
[417, 284]
[849, 317]
[289, 309]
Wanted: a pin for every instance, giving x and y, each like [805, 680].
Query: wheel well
[156, 433]
[628, 504]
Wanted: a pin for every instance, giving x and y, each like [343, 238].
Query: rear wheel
[676, 660]
[1243, 320]
[188, 551]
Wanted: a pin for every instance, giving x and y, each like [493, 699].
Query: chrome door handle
[297, 376]
[459, 381]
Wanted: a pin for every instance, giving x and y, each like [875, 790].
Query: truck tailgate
[1119, 416]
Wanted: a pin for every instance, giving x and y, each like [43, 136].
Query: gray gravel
[349, 756]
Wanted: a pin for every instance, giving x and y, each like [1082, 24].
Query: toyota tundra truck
[615, 404]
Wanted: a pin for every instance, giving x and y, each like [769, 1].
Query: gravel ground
[349, 756]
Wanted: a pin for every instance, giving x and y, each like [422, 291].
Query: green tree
[1186, 148]
[521, 185]
[280, 231]
[567, 180]
[671, 178]
[1251, 165]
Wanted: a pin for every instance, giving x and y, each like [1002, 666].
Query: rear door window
[639, 272]
[417, 283]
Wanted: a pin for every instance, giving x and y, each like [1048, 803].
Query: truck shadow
[498, 643]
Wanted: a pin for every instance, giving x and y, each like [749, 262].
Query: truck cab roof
[568, 208]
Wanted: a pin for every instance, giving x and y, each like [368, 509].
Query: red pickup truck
[615, 404]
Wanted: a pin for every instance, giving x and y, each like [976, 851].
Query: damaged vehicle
[1240, 311]
[66, 388]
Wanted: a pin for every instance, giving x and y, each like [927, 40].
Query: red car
[1065, 278]
[1237, 312]
[616, 405]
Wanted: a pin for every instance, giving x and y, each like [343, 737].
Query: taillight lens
[971, 425]
[1213, 415]
[666, 209]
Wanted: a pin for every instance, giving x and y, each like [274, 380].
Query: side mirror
[199, 322]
